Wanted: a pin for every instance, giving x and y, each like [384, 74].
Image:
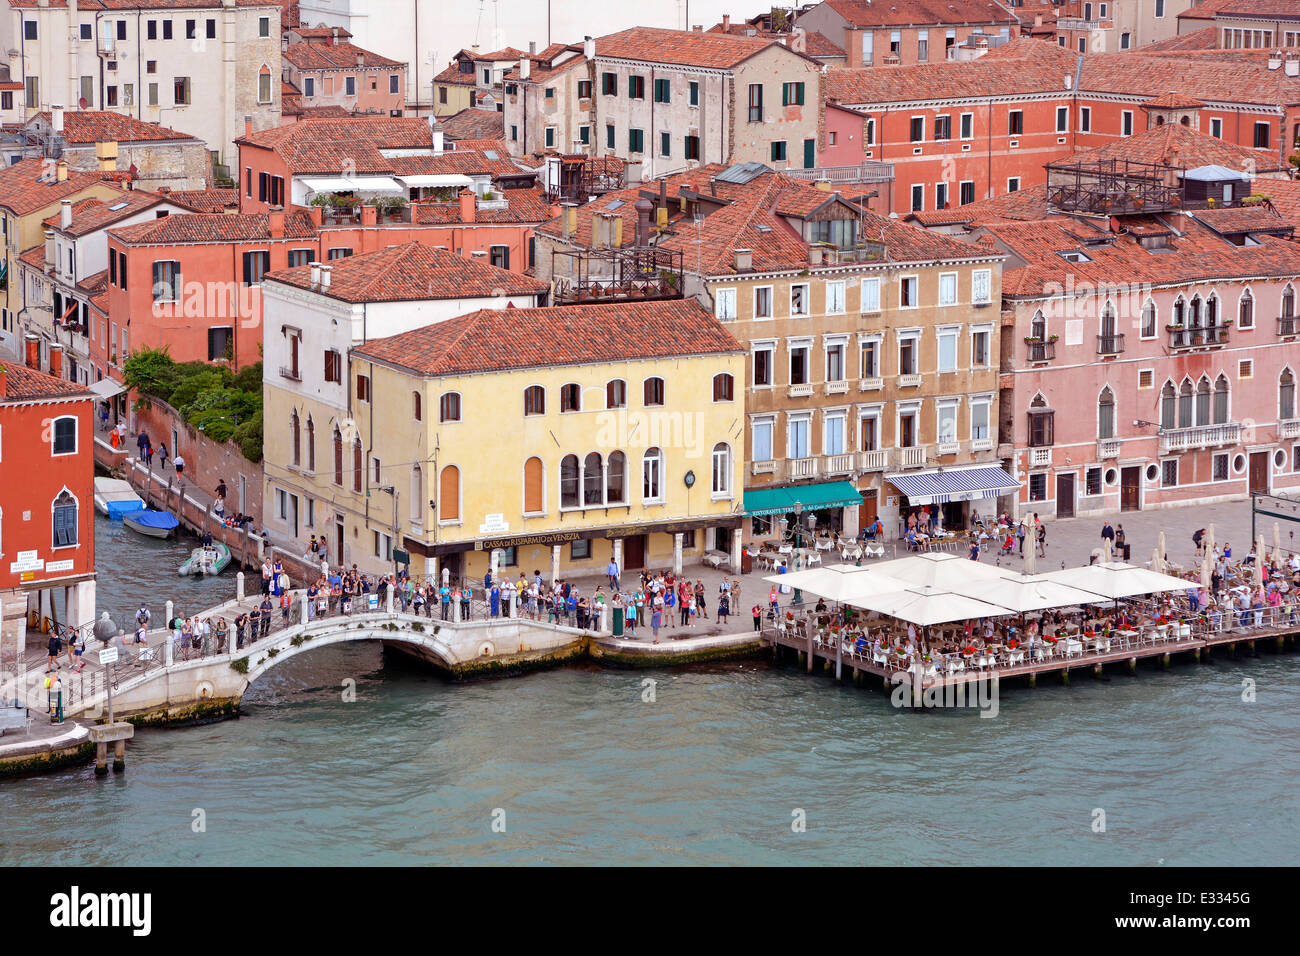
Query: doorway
[634, 552]
[1065, 496]
[868, 509]
[293, 514]
[1130, 488]
[338, 539]
[1259, 472]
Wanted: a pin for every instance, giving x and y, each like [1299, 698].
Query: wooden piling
[1132, 665]
[1164, 660]
[1096, 670]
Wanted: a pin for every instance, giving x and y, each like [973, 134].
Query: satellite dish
[82, 104]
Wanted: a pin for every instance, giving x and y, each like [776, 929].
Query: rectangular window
[635, 141]
[1220, 467]
[762, 432]
[191, 27]
[29, 29]
[1013, 184]
[363, 388]
[88, 90]
[907, 342]
[942, 128]
[349, 86]
[835, 297]
[967, 192]
[947, 288]
[947, 421]
[636, 87]
[940, 195]
[181, 91]
[167, 29]
[256, 265]
[609, 84]
[264, 26]
[695, 93]
[665, 144]
[550, 137]
[692, 147]
[32, 92]
[763, 355]
[967, 125]
[584, 89]
[948, 349]
[153, 94]
[1062, 119]
[333, 366]
[870, 295]
[166, 281]
[724, 304]
[1262, 135]
[916, 133]
[1246, 368]
[778, 151]
[796, 437]
[979, 348]
[799, 371]
[609, 136]
[1092, 482]
[792, 94]
[918, 197]
[835, 362]
[1038, 483]
[763, 302]
[151, 66]
[264, 88]
[110, 96]
[220, 343]
[663, 91]
[979, 418]
[340, 252]
[908, 292]
[1015, 123]
[1126, 123]
[756, 102]
[1169, 473]
[799, 299]
[500, 256]
[922, 46]
[869, 358]
[210, 28]
[150, 30]
[301, 257]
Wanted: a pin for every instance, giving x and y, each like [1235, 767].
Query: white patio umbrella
[1108, 549]
[1277, 545]
[1026, 592]
[1114, 580]
[1163, 550]
[837, 581]
[1207, 569]
[1031, 562]
[924, 606]
[1209, 539]
[1261, 555]
[1157, 564]
[938, 570]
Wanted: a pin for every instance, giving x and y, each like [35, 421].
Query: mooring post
[1132, 665]
[1065, 676]
[1164, 659]
[119, 755]
[101, 759]
[1033, 679]
[810, 651]
[239, 586]
[1096, 670]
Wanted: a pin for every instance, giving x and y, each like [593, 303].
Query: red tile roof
[454, 76]
[815, 44]
[1246, 9]
[524, 207]
[543, 66]
[342, 56]
[23, 384]
[204, 228]
[754, 218]
[1284, 194]
[92, 214]
[497, 340]
[1172, 100]
[1261, 217]
[411, 272]
[1236, 76]
[321, 33]
[328, 146]
[882, 13]
[1023, 205]
[23, 192]
[1176, 145]
[481, 157]
[473, 123]
[680, 47]
[84, 127]
[1204, 39]
[205, 200]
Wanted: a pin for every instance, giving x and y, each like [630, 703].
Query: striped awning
[953, 484]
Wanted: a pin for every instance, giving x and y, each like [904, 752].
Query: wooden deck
[835, 659]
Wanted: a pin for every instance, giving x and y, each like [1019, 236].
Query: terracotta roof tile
[23, 384]
[815, 44]
[680, 47]
[92, 214]
[205, 200]
[1240, 219]
[493, 340]
[922, 12]
[321, 33]
[83, 127]
[23, 192]
[1205, 39]
[524, 207]
[1172, 100]
[1253, 9]
[482, 157]
[411, 272]
[327, 146]
[203, 228]
[453, 75]
[342, 56]
[1177, 145]
[1284, 194]
[473, 123]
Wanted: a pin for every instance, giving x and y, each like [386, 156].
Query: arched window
[654, 391]
[724, 387]
[534, 400]
[534, 493]
[616, 394]
[1180, 311]
[616, 479]
[571, 397]
[1288, 302]
[1194, 313]
[721, 469]
[417, 492]
[1108, 342]
[311, 445]
[65, 436]
[570, 479]
[593, 479]
[449, 494]
[358, 464]
[1286, 396]
[417, 404]
[449, 407]
[1106, 414]
[1108, 321]
[1168, 405]
[1203, 401]
[1038, 327]
[1211, 311]
[1221, 400]
[1185, 404]
[338, 457]
[1246, 310]
[1148, 319]
[652, 475]
[295, 438]
[65, 520]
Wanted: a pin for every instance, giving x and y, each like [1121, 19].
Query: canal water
[718, 767]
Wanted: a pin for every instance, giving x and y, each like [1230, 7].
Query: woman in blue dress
[494, 600]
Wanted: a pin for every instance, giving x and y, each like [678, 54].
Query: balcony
[871, 384]
[1289, 429]
[867, 172]
[1038, 457]
[801, 468]
[981, 444]
[1040, 351]
[1288, 325]
[876, 460]
[767, 467]
[913, 457]
[1200, 436]
[1109, 448]
[801, 391]
[947, 448]
[1112, 187]
[909, 381]
[1185, 338]
[1110, 344]
[837, 388]
[837, 464]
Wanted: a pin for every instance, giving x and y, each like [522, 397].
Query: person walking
[612, 572]
[1107, 533]
[1020, 536]
[162, 454]
[724, 608]
[656, 620]
[1040, 535]
[757, 611]
[53, 646]
[142, 442]
[1121, 543]
[179, 464]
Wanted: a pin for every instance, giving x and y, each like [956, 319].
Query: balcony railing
[801, 391]
[1289, 428]
[1110, 344]
[947, 448]
[981, 444]
[871, 384]
[801, 467]
[913, 457]
[909, 381]
[1109, 448]
[837, 464]
[867, 172]
[1200, 436]
[837, 388]
[1198, 338]
[1040, 456]
[768, 467]
[877, 460]
[1041, 351]
[1288, 325]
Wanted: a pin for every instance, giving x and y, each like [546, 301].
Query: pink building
[326, 70]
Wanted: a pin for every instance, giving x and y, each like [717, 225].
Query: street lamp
[105, 631]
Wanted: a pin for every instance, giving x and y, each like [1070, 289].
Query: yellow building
[30, 192]
[554, 438]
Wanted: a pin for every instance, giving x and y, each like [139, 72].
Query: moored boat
[115, 497]
[155, 524]
[210, 559]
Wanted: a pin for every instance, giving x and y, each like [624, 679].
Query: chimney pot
[325, 277]
[744, 260]
[315, 275]
[525, 68]
[468, 205]
[532, 47]
[568, 219]
[56, 118]
[65, 213]
[32, 351]
[61, 171]
[56, 360]
[589, 48]
[248, 126]
[726, 23]
[49, 249]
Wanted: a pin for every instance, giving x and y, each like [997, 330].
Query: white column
[388, 597]
[432, 568]
[306, 612]
[555, 564]
[618, 556]
[604, 618]
[496, 557]
[735, 552]
[514, 604]
[84, 595]
[169, 653]
[170, 612]
[239, 586]
[677, 553]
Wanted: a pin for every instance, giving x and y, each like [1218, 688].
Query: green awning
[779, 501]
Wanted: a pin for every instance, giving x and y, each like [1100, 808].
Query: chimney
[369, 215]
[361, 59]
[800, 44]
[438, 146]
[744, 260]
[726, 23]
[61, 171]
[525, 67]
[49, 249]
[56, 360]
[65, 213]
[275, 222]
[56, 118]
[815, 255]
[32, 348]
[106, 154]
[315, 275]
[1275, 60]
[643, 207]
[589, 48]
[468, 203]
[698, 28]
[334, 37]
[661, 218]
[568, 219]
[1292, 65]
[325, 278]
[248, 126]
[532, 47]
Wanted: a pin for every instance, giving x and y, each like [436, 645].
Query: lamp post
[112, 732]
[105, 631]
